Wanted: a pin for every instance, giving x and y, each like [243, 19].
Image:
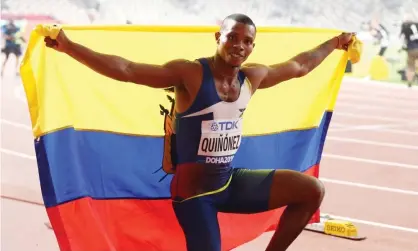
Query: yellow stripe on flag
[64, 93]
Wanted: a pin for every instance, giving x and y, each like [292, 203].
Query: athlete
[381, 35]
[409, 32]
[211, 93]
[13, 40]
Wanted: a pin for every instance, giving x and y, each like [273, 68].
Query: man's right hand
[61, 43]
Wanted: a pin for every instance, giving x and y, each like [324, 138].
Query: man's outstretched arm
[301, 64]
[118, 68]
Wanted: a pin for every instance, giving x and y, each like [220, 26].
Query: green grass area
[396, 61]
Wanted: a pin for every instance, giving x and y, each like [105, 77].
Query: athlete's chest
[227, 90]
[232, 106]
[221, 135]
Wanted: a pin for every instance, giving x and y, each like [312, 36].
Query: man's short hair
[240, 18]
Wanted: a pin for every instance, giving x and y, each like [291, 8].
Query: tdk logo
[214, 127]
[224, 126]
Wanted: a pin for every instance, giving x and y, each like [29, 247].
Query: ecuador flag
[99, 142]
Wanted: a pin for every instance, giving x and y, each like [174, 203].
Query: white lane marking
[355, 184]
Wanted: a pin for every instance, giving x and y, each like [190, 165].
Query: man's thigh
[293, 187]
[412, 59]
[17, 50]
[254, 191]
[249, 191]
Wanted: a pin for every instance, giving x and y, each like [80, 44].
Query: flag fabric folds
[99, 142]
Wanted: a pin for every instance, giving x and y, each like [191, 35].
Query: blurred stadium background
[347, 15]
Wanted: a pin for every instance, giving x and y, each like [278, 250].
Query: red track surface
[373, 140]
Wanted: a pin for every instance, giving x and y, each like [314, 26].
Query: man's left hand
[344, 40]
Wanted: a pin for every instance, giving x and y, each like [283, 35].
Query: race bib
[220, 140]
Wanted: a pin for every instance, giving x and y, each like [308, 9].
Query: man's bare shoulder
[255, 73]
[190, 71]
[182, 64]
[254, 69]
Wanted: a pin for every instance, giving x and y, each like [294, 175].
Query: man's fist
[61, 43]
[344, 40]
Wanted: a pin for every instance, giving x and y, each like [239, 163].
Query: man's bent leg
[17, 52]
[4, 62]
[198, 219]
[302, 194]
[411, 66]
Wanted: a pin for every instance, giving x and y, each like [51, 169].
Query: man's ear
[217, 37]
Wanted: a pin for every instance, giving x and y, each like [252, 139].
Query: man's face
[235, 42]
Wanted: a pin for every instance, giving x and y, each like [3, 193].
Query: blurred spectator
[380, 34]
[409, 32]
[12, 45]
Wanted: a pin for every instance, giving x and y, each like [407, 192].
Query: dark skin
[302, 194]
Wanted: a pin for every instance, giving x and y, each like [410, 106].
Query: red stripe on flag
[132, 224]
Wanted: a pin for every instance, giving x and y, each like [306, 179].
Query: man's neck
[222, 69]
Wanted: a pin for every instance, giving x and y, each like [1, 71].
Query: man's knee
[291, 187]
[317, 191]
[314, 190]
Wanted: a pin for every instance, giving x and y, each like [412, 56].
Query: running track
[369, 168]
